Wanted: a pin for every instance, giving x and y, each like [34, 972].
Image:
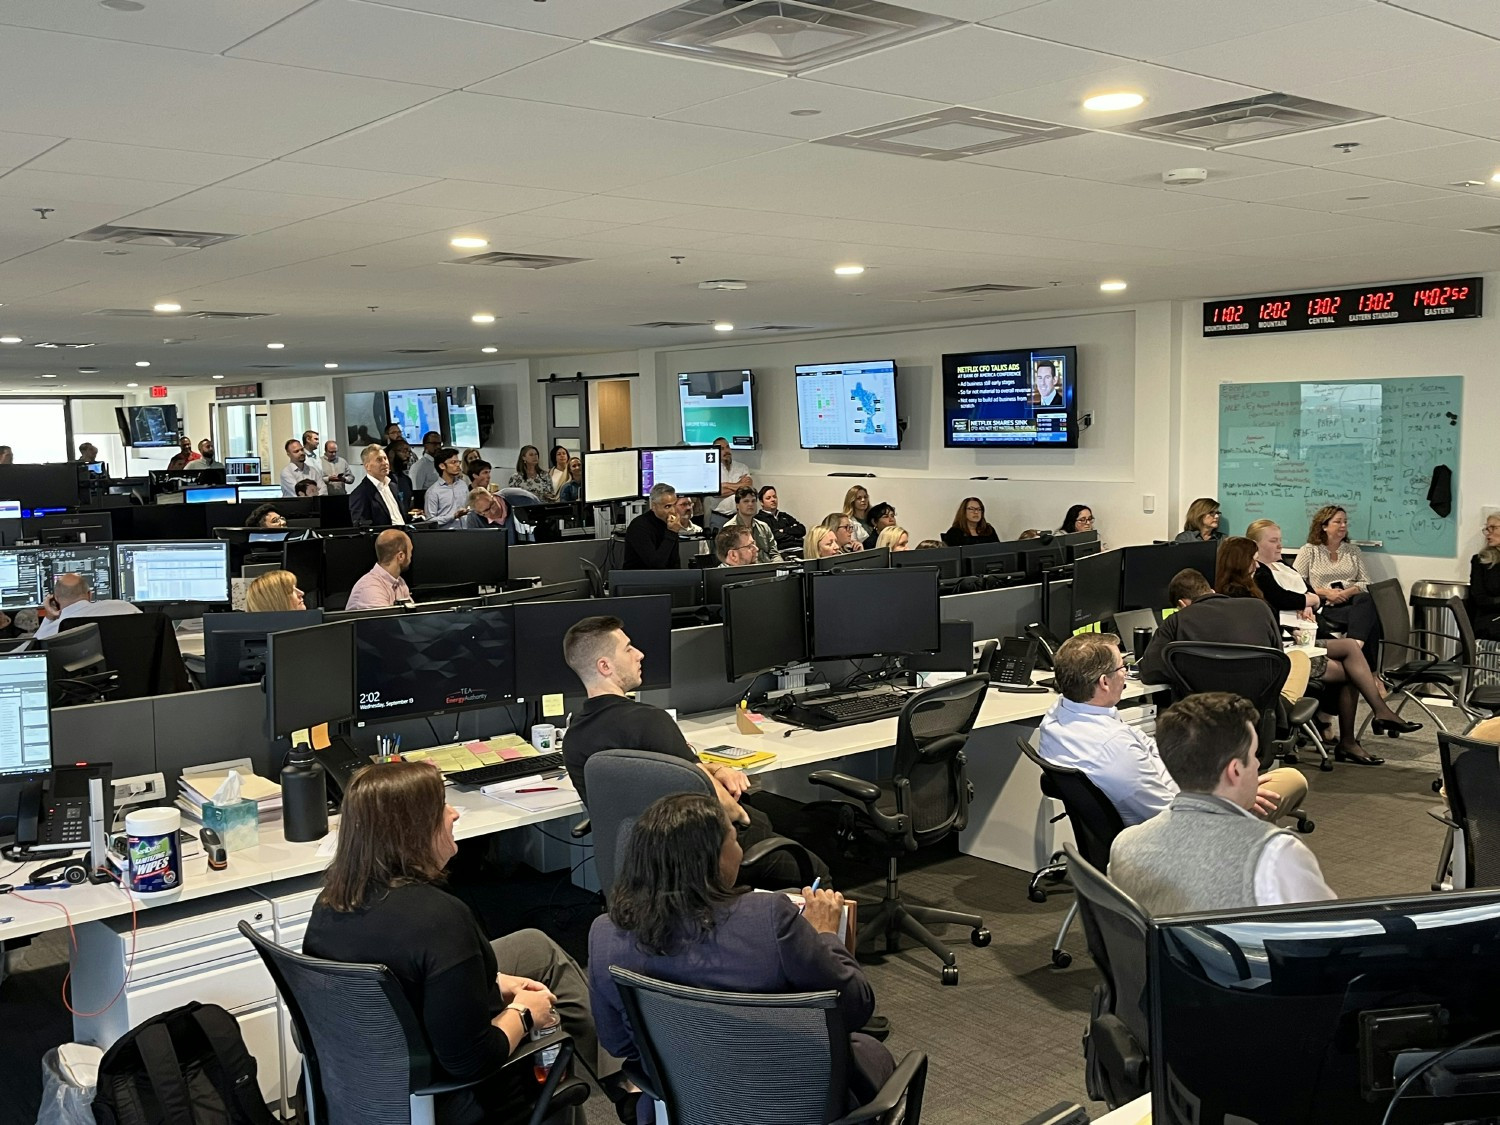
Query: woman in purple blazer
[676, 915]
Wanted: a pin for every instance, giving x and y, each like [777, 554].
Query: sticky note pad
[552, 706]
[320, 737]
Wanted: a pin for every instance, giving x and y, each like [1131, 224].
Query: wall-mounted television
[847, 405]
[365, 420]
[462, 407]
[148, 427]
[415, 411]
[717, 404]
[1011, 399]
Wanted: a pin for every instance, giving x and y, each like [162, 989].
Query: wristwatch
[527, 1020]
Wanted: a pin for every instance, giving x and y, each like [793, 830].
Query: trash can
[1429, 610]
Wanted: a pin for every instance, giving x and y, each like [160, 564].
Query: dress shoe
[1393, 727]
[1358, 759]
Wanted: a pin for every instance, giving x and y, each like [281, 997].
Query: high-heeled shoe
[1367, 759]
[1393, 727]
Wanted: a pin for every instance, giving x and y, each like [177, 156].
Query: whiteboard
[1287, 449]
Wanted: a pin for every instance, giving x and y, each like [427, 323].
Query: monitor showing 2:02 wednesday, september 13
[847, 405]
[1011, 399]
[717, 404]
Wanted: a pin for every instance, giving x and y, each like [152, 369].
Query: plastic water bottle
[541, 1062]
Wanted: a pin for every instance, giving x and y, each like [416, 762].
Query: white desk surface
[276, 859]
[1137, 1112]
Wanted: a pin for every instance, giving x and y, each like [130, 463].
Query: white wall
[643, 391]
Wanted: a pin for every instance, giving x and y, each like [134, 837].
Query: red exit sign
[158, 392]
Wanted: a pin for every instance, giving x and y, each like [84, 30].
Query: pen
[543, 789]
[816, 881]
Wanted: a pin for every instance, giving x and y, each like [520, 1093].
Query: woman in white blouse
[1334, 569]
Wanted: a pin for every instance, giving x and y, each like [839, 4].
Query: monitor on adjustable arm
[886, 612]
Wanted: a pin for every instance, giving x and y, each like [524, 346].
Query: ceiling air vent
[153, 236]
[987, 287]
[951, 134]
[270, 366]
[671, 324]
[1484, 230]
[1253, 119]
[417, 351]
[200, 314]
[60, 344]
[785, 36]
[515, 261]
[779, 328]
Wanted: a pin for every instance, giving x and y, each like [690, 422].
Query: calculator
[735, 753]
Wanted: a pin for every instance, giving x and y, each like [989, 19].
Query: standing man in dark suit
[373, 501]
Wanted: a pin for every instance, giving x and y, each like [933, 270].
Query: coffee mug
[544, 737]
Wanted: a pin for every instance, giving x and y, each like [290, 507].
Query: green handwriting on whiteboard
[1287, 449]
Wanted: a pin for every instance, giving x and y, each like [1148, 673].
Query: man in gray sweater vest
[1208, 850]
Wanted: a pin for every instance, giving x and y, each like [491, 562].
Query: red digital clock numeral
[1229, 314]
[1439, 296]
[1376, 302]
[1324, 306]
[1275, 310]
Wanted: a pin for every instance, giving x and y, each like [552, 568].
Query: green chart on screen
[1369, 445]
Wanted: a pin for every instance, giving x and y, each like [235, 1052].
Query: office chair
[622, 784]
[364, 1056]
[1471, 776]
[143, 648]
[1116, 1046]
[518, 498]
[77, 671]
[595, 576]
[1095, 822]
[925, 801]
[1406, 666]
[787, 1064]
[1253, 671]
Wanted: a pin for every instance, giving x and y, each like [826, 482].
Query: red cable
[73, 943]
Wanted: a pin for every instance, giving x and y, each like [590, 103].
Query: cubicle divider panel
[216, 725]
[556, 562]
[995, 613]
[121, 732]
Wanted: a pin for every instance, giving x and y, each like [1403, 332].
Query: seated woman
[1201, 523]
[265, 516]
[1080, 517]
[893, 537]
[969, 525]
[382, 903]
[1262, 574]
[1333, 568]
[821, 543]
[675, 915]
[843, 528]
[274, 592]
[572, 489]
[1484, 584]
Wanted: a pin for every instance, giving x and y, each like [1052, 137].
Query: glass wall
[36, 430]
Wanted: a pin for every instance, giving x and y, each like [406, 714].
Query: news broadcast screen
[1026, 399]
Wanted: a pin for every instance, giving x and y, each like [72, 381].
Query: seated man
[1208, 851]
[600, 653]
[1203, 615]
[485, 510]
[1084, 731]
[382, 586]
[735, 546]
[72, 598]
[651, 538]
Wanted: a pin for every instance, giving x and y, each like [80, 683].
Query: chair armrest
[1427, 652]
[865, 792]
[581, 829]
[909, 1081]
[762, 848]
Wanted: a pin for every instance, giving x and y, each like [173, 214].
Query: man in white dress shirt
[1208, 850]
[730, 479]
[299, 467]
[72, 598]
[447, 500]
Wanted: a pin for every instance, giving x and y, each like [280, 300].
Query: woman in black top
[1201, 523]
[969, 525]
[476, 999]
[1484, 584]
[1079, 517]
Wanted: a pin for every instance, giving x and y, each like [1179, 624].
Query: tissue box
[237, 823]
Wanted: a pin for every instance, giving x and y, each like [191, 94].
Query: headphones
[63, 871]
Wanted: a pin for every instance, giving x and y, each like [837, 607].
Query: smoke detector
[724, 285]
[1184, 175]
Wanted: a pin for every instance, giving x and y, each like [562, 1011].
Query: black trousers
[773, 815]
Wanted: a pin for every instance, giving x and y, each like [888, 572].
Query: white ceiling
[345, 142]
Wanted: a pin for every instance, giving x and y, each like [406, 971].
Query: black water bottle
[1140, 641]
[304, 797]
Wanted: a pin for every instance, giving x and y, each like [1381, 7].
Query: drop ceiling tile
[662, 237]
[609, 209]
[386, 212]
[577, 19]
[53, 189]
[478, 137]
[970, 11]
[965, 66]
[1453, 211]
[276, 204]
[22, 232]
[768, 109]
[354, 37]
[1436, 167]
[1415, 88]
[315, 179]
[19, 148]
[1380, 137]
[1122, 158]
[1479, 119]
[191, 25]
[1209, 230]
[1310, 246]
[136, 162]
[1277, 185]
[1166, 90]
[601, 76]
[99, 90]
[1476, 15]
[177, 216]
[481, 198]
[728, 220]
[1361, 192]
[533, 226]
[1376, 37]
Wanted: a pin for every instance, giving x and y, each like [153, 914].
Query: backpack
[188, 1066]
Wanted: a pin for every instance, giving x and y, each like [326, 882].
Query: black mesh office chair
[364, 1056]
[1116, 1047]
[1407, 664]
[1095, 822]
[787, 1066]
[925, 801]
[622, 784]
[1253, 671]
[595, 576]
[142, 648]
[77, 670]
[1471, 776]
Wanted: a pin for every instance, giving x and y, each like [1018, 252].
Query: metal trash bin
[1429, 610]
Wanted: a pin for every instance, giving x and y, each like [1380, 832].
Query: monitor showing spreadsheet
[192, 571]
[260, 492]
[27, 573]
[242, 470]
[25, 722]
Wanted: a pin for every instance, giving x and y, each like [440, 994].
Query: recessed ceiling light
[1109, 103]
[1495, 179]
[277, 346]
[469, 243]
[166, 306]
[143, 363]
[88, 371]
[491, 350]
[10, 339]
[330, 366]
[132, 384]
[482, 318]
[49, 375]
[122, 5]
[218, 376]
[804, 112]
[1111, 286]
[723, 326]
[848, 271]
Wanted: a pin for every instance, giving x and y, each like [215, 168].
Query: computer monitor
[12, 529]
[416, 411]
[886, 612]
[1148, 571]
[1202, 556]
[419, 664]
[1366, 983]
[684, 587]
[304, 558]
[259, 492]
[540, 627]
[715, 578]
[225, 495]
[543, 592]
[1077, 544]
[613, 475]
[346, 559]
[956, 653]
[948, 560]
[234, 644]
[173, 572]
[461, 409]
[692, 472]
[73, 527]
[167, 521]
[1004, 567]
[461, 557]
[297, 700]
[242, 470]
[98, 469]
[1096, 588]
[27, 573]
[872, 558]
[47, 486]
[1037, 556]
[765, 626]
[24, 715]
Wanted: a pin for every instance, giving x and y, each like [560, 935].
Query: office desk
[1137, 1112]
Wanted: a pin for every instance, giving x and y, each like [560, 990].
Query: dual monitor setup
[1133, 578]
[453, 412]
[143, 573]
[629, 474]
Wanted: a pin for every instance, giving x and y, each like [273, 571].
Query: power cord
[1472, 1041]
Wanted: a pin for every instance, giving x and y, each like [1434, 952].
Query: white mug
[544, 737]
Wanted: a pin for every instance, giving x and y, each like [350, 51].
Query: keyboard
[860, 708]
[508, 771]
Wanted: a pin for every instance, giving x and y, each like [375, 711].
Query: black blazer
[366, 506]
[1213, 617]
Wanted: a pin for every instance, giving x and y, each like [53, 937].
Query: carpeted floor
[1004, 1044]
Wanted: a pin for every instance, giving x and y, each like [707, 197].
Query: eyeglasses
[1090, 519]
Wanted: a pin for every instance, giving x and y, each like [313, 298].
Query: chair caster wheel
[980, 937]
[1061, 958]
[1036, 894]
[950, 974]
[1306, 826]
[1437, 786]
[1290, 758]
[1326, 765]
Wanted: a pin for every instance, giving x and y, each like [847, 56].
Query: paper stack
[196, 789]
